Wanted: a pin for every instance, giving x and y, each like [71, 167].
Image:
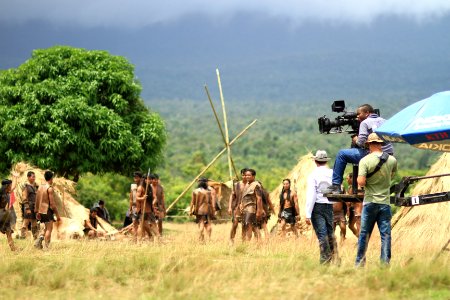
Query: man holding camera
[369, 122]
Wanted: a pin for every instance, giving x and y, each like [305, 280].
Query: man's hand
[58, 218]
[308, 221]
[229, 211]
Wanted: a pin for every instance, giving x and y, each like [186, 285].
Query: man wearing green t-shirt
[375, 174]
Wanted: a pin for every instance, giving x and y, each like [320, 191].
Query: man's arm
[259, 204]
[310, 199]
[131, 200]
[193, 200]
[297, 208]
[363, 133]
[163, 201]
[25, 202]
[52, 203]
[361, 181]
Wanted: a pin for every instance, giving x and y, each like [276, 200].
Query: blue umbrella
[424, 124]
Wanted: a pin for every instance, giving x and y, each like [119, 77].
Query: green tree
[77, 111]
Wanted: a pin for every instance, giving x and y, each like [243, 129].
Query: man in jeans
[375, 174]
[369, 122]
[319, 211]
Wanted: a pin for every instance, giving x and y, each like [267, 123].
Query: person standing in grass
[376, 171]
[145, 195]
[29, 202]
[234, 204]
[319, 211]
[46, 210]
[160, 206]
[7, 213]
[289, 211]
[251, 205]
[203, 207]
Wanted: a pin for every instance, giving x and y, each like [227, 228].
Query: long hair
[282, 200]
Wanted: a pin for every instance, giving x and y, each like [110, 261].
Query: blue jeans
[344, 156]
[322, 221]
[375, 213]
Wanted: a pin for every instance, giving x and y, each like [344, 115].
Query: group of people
[249, 203]
[377, 166]
[147, 205]
[38, 206]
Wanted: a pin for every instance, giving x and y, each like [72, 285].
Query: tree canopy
[74, 111]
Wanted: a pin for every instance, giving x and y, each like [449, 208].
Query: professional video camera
[348, 118]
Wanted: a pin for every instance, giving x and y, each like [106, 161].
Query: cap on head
[321, 156]
[374, 138]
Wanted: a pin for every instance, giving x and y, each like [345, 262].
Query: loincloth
[288, 215]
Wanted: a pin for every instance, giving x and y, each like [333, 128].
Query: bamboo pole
[208, 166]
[227, 139]
[220, 128]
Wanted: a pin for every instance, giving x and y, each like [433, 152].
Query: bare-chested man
[354, 209]
[144, 205]
[289, 210]
[160, 206]
[203, 207]
[137, 177]
[29, 202]
[233, 205]
[251, 205]
[90, 225]
[46, 209]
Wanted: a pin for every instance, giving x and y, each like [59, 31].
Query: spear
[145, 201]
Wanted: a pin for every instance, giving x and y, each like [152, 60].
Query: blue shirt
[368, 126]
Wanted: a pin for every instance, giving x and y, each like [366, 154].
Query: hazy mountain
[262, 58]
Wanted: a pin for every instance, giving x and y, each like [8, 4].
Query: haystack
[223, 192]
[425, 227]
[298, 176]
[71, 211]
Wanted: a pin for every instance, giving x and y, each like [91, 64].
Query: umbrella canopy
[424, 124]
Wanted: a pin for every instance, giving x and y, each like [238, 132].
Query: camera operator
[369, 122]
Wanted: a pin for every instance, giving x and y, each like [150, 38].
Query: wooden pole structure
[220, 128]
[227, 140]
[208, 166]
[145, 201]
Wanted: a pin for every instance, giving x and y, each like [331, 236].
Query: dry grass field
[181, 268]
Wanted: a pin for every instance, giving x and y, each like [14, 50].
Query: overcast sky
[139, 13]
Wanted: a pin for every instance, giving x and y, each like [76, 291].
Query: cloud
[139, 13]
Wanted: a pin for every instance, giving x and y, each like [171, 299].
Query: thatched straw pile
[72, 212]
[298, 174]
[425, 227]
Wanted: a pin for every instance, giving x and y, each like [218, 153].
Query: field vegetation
[181, 268]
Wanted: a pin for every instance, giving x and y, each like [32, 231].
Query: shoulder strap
[383, 158]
